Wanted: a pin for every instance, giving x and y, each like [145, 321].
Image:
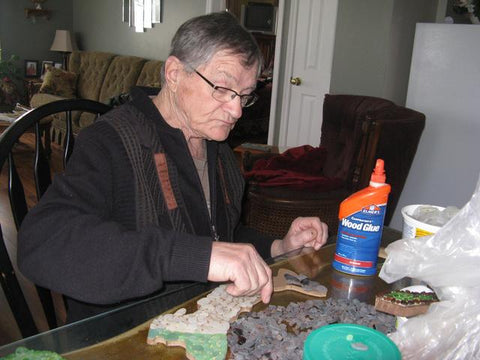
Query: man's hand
[303, 232]
[243, 266]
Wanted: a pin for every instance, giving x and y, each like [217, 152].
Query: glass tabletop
[106, 325]
[96, 329]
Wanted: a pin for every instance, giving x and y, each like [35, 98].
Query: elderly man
[152, 195]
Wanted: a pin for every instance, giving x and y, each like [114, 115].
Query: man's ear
[173, 68]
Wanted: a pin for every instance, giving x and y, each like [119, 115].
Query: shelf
[37, 13]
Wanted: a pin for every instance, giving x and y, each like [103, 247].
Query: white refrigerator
[444, 84]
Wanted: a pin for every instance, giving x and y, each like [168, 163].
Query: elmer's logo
[371, 209]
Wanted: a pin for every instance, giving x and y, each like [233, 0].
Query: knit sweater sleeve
[81, 241]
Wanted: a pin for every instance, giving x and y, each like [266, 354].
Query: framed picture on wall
[31, 68]
[45, 65]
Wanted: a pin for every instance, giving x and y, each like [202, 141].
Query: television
[259, 17]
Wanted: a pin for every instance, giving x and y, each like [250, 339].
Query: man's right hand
[243, 266]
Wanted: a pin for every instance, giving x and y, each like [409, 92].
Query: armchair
[356, 130]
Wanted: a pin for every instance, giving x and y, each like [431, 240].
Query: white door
[308, 66]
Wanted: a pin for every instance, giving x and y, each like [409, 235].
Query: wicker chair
[356, 130]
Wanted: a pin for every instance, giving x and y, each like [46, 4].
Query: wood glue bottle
[360, 227]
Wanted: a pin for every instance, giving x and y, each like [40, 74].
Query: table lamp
[63, 43]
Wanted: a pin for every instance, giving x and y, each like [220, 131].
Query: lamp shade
[63, 42]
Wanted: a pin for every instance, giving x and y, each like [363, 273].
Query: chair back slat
[69, 140]
[13, 293]
[48, 306]
[41, 166]
[365, 160]
[16, 193]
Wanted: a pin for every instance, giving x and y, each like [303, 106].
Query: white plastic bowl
[412, 228]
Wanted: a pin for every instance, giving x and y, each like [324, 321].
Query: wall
[373, 46]
[444, 85]
[32, 40]
[406, 13]
[361, 37]
[98, 27]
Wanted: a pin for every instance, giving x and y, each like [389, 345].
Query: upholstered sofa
[97, 76]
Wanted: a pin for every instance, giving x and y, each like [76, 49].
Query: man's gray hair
[200, 38]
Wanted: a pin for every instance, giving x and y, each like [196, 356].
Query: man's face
[202, 115]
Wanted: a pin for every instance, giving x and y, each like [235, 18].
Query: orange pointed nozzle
[378, 174]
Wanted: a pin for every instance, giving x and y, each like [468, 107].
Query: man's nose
[234, 107]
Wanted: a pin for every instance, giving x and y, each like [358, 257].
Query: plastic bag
[449, 262]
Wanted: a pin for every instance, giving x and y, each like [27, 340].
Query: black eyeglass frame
[244, 99]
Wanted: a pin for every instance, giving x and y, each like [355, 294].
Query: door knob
[295, 81]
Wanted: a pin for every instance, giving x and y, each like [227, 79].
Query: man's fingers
[244, 286]
[324, 233]
[259, 275]
[233, 290]
[306, 238]
[314, 235]
[240, 264]
[267, 291]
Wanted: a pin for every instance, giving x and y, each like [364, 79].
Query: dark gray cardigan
[129, 213]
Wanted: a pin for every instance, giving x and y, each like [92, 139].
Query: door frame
[276, 77]
[277, 106]
[220, 5]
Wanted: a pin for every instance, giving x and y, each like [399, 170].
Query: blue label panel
[358, 241]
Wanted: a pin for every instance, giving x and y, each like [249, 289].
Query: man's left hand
[303, 232]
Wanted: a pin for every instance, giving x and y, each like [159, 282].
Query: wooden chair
[356, 130]
[18, 203]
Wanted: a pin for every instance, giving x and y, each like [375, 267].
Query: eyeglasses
[224, 94]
